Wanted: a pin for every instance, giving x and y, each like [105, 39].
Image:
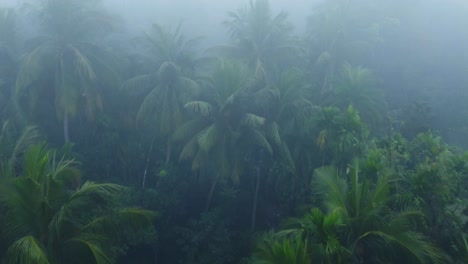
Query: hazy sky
[199, 17]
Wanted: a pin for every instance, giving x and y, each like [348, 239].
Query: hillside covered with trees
[345, 144]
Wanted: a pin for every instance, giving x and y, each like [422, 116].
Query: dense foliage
[273, 148]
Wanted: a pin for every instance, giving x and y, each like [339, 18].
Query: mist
[233, 131]
[200, 17]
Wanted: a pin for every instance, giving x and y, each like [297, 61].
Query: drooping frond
[253, 121]
[137, 85]
[208, 138]
[201, 107]
[188, 129]
[190, 149]
[260, 140]
[27, 250]
[272, 132]
[270, 249]
[106, 191]
[36, 161]
[149, 105]
[127, 218]
[287, 159]
[29, 136]
[93, 245]
[83, 66]
[412, 243]
[327, 182]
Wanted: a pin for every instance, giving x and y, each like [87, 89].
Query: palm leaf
[137, 85]
[82, 65]
[253, 121]
[126, 218]
[203, 108]
[260, 140]
[208, 138]
[411, 242]
[190, 149]
[150, 104]
[106, 191]
[95, 245]
[328, 183]
[27, 250]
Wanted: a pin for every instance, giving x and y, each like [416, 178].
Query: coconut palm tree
[51, 218]
[259, 37]
[66, 71]
[271, 250]
[343, 136]
[166, 89]
[360, 224]
[342, 31]
[357, 86]
[372, 230]
[320, 232]
[226, 132]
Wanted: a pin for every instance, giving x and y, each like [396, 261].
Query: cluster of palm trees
[267, 107]
[49, 216]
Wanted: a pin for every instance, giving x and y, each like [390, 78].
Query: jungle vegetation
[345, 144]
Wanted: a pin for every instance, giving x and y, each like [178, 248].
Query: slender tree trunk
[168, 149]
[254, 209]
[147, 162]
[65, 127]
[210, 194]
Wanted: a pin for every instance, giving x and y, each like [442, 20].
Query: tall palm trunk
[65, 127]
[147, 162]
[254, 209]
[210, 194]
[168, 149]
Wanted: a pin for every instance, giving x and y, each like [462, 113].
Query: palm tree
[225, 132]
[259, 37]
[372, 229]
[170, 86]
[321, 233]
[357, 86]
[341, 31]
[271, 250]
[343, 136]
[51, 218]
[360, 224]
[67, 69]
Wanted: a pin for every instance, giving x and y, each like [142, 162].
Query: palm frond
[83, 66]
[190, 149]
[328, 183]
[201, 107]
[272, 132]
[415, 244]
[253, 121]
[27, 250]
[208, 138]
[106, 191]
[94, 245]
[272, 250]
[150, 104]
[287, 158]
[188, 129]
[260, 140]
[126, 218]
[137, 85]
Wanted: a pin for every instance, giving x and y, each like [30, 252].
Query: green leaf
[253, 121]
[203, 108]
[27, 250]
